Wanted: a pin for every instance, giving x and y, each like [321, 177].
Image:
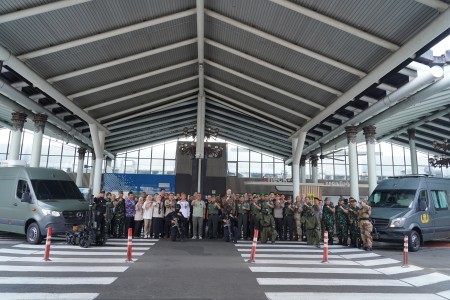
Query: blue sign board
[113, 182]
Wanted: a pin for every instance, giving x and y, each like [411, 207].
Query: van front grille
[380, 223]
[75, 215]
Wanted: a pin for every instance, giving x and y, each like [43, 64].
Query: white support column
[92, 174]
[18, 119]
[353, 161]
[314, 159]
[39, 125]
[369, 132]
[303, 169]
[80, 166]
[297, 149]
[99, 165]
[413, 151]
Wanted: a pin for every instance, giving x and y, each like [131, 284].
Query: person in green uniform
[354, 227]
[288, 220]
[267, 203]
[242, 214]
[312, 226]
[328, 219]
[119, 216]
[267, 223]
[255, 211]
[342, 222]
[213, 216]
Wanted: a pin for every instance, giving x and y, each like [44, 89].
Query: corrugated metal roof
[10, 6]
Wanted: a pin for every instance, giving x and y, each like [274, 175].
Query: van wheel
[413, 241]
[34, 234]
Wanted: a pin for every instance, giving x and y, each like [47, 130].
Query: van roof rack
[412, 176]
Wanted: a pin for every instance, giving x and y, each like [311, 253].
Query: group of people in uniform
[236, 216]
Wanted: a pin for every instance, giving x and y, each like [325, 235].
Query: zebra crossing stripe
[344, 250]
[134, 240]
[90, 253]
[377, 262]
[18, 251]
[398, 270]
[313, 270]
[125, 243]
[275, 246]
[72, 247]
[350, 296]
[298, 256]
[427, 279]
[445, 294]
[360, 255]
[304, 262]
[58, 280]
[81, 269]
[64, 260]
[48, 296]
[331, 282]
[283, 250]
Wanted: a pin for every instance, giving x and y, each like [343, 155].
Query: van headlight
[397, 222]
[51, 212]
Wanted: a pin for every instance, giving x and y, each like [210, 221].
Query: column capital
[411, 133]
[18, 119]
[370, 131]
[314, 159]
[351, 132]
[81, 153]
[39, 122]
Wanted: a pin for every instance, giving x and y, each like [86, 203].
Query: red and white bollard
[405, 252]
[129, 244]
[325, 247]
[47, 244]
[255, 240]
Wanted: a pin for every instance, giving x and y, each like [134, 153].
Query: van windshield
[392, 198]
[55, 190]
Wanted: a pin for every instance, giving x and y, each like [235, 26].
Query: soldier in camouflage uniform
[312, 226]
[328, 219]
[242, 213]
[365, 225]
[341, 222]
[255, 212]
[267, 223]
[354, 226]
[119, 217]
[298, 210]
[267, 203]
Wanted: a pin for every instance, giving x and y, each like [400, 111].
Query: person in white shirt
[185, 210]
[148, 215]
[139, 218]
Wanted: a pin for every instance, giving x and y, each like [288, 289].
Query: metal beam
[260, 99]
[152, 139]
[265, 84]
[158, 88]
[286, 44]
[436, 4]
[106, 35]
[274, 67]
[251, 109]
[29, 12]
[131, 79]
[121, 60]
[151, 117]
[151, 143]
[139, 107]
[160, 133]
[337, 24]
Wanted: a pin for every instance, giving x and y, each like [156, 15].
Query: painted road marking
[65, 260]
[91, 253]
[72, 247]
[398, 270]
[104, 269]
[331, 282]
[349, 296]
[57, 280]
[305, 262]
[360, 255]
[427, 279]
[445, 294]
[298, 256]
[377, 262]
[313, 270]
[48, 296]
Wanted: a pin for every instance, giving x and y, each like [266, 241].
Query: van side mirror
[422, 205]
[26, 197]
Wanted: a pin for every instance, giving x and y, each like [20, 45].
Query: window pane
[399, 170]
[169, 166]
[377, 154]
[67, 164]
[267, 170]
[45, 144]
[255, 170]
[407, 157]
[133, 154]
[399, 155]
[243, 169]
[279, 170]
[328, 172]
[4, 138]
[144, 166]
[54, 162]
[25, 157]
[158, 152]
[386, 154]
[422, 158]
[120, 165]
[145, 152]
[232, 152]
[362, 154]
[266, 158]
[232, 169]
[339, 172]
[288, 170]
[43, 162]
[55, 148]
[131, 165]
[68, 150]
[27, 142]
[243, 154]
[170, 150]
[255, 156]
[387, 171]
[157, 166]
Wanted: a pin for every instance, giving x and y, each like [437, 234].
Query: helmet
[177, 207]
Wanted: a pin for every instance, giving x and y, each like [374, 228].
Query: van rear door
[439, 199]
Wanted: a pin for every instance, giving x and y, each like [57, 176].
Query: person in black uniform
[176, 220]
[100, 212]
[229, 225]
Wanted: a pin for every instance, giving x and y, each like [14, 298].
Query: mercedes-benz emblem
[79, 214]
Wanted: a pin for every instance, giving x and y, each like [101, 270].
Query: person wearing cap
[365, 225]
[341, 222]
[213, 216]
[354, 226]
[278, 214]
[255, 211]
[267, 203]
[328, 219]
[169, 205]
[242, 214]
[267, 223]
[288, 220]
[298, 210]
[100, 211]
[130, 211]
